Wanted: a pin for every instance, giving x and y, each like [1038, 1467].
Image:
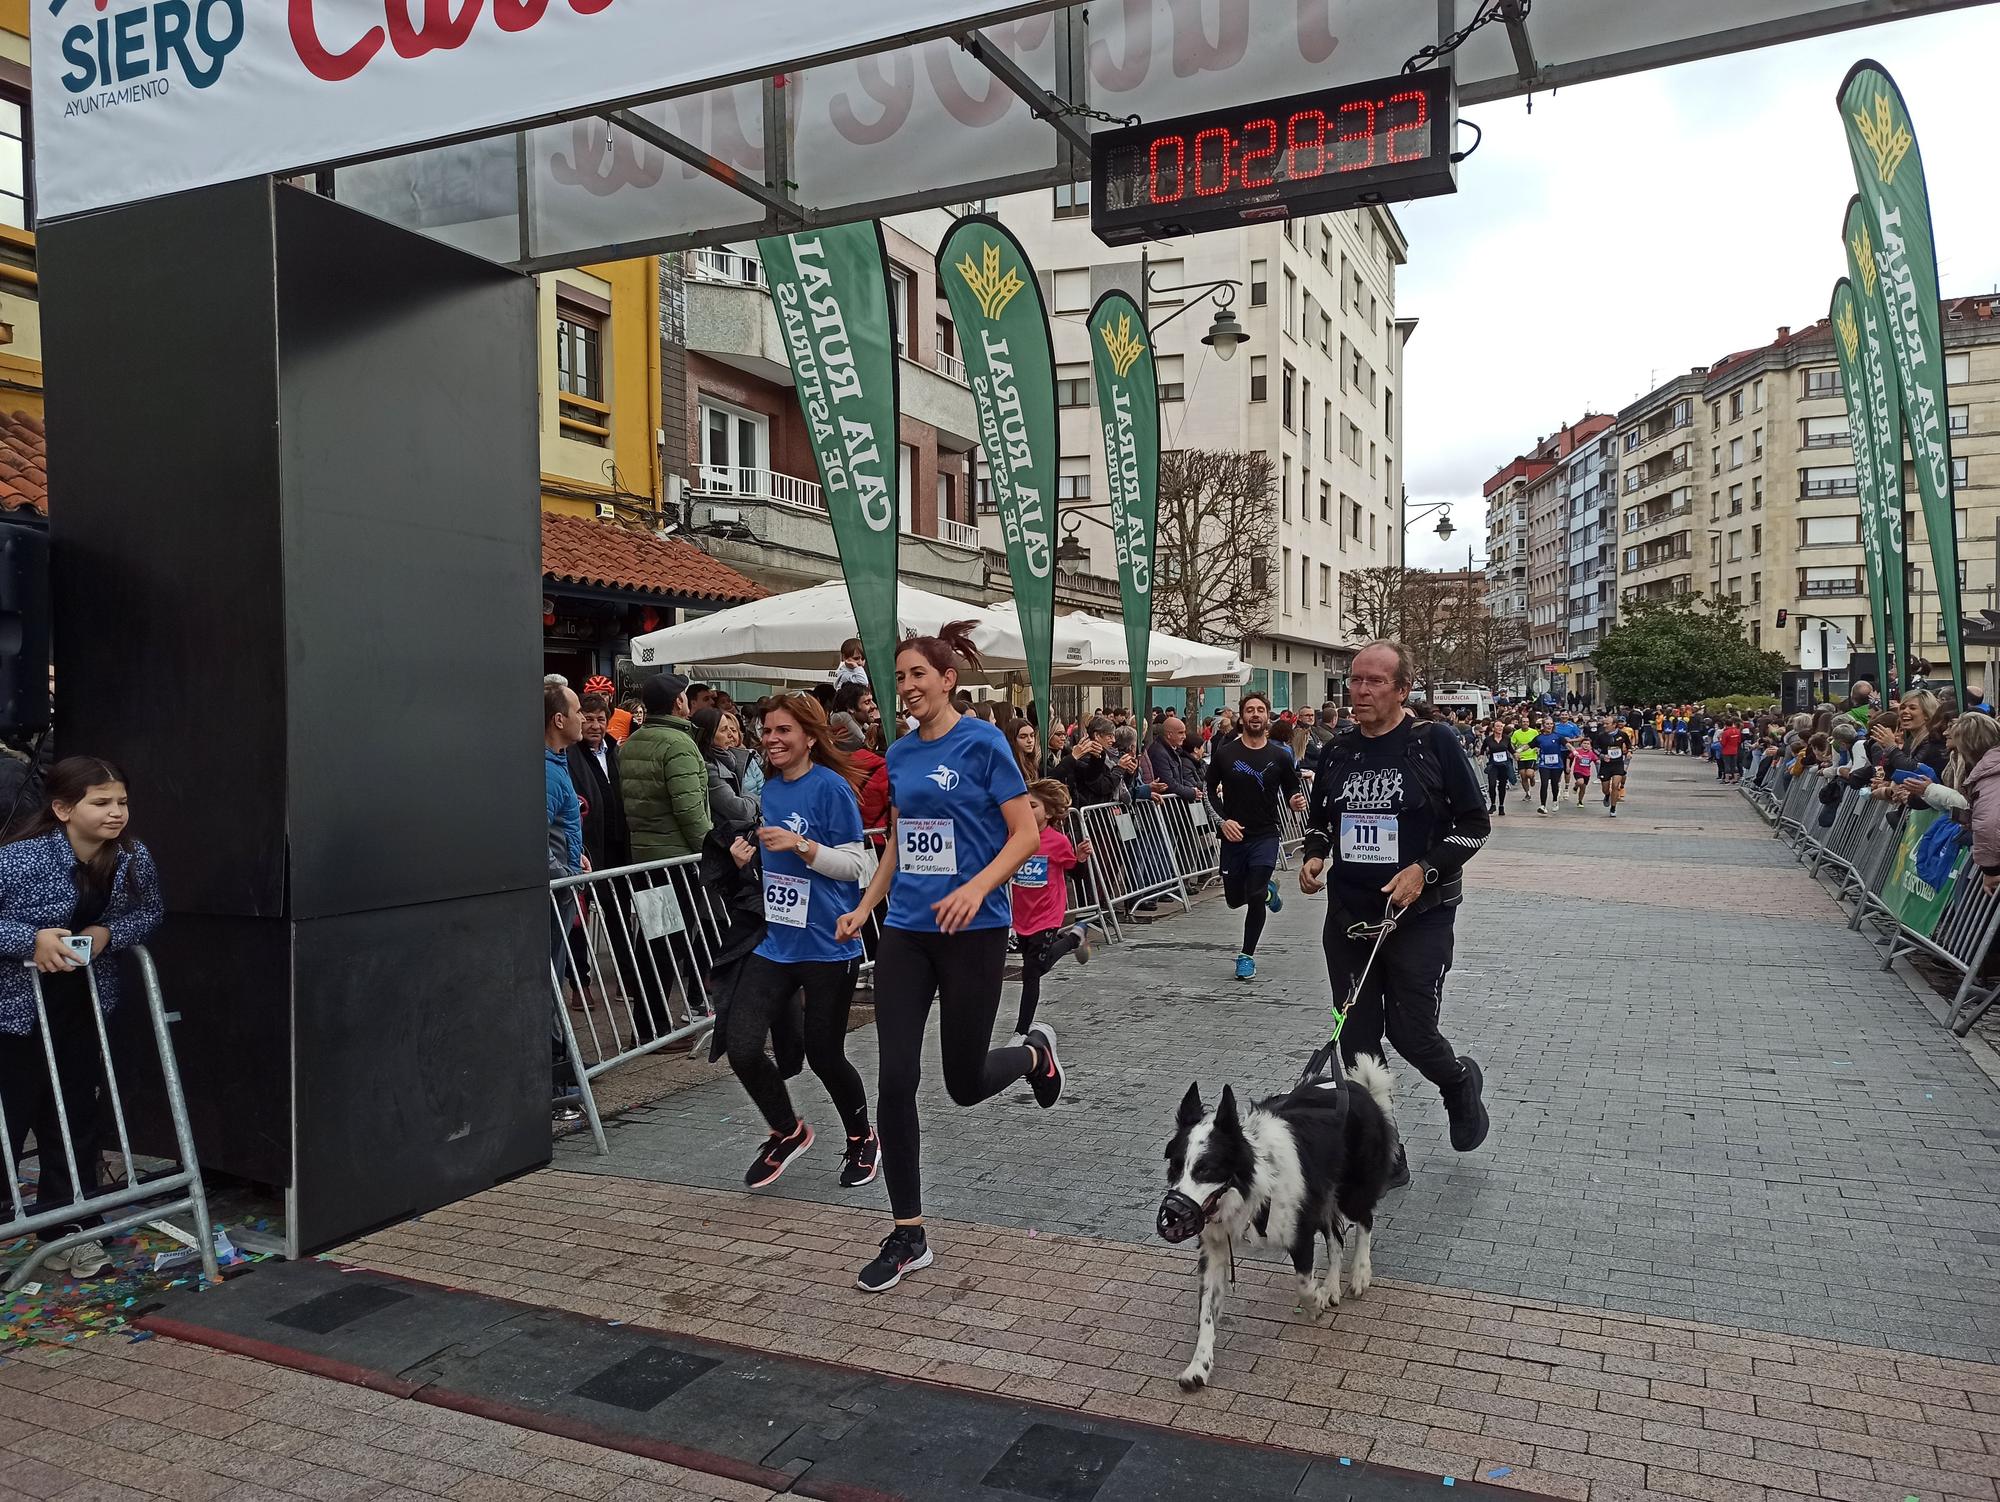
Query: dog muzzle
[1182, 1215]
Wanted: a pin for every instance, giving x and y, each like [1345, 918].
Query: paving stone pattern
[1708, 1101]
[115, 1420]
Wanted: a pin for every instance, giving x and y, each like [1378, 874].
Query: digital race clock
[1311, 153]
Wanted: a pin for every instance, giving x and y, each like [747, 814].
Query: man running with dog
[1396, 812]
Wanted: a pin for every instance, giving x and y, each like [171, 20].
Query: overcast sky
[1630, 229]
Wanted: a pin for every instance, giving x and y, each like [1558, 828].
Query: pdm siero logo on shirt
[142, 52]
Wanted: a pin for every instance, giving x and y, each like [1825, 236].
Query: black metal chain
[1497, 10]
[1085, 112]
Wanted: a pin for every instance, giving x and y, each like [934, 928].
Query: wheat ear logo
[993, 290]
[1850, 336]
[1864, 259]
[1120, 344]
[1889, 140]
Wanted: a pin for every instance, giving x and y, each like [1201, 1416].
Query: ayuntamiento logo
[144, 51]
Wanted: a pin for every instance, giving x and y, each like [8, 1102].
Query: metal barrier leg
[577, 1068]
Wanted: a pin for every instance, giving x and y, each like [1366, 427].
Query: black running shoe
[903, 1251]
[859, 1162]
[1047, 1074]
[1467, 1111]
[1399, 1171]
[776, 1155]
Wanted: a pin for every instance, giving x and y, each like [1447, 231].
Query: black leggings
[29, 1100]
[1039, 955]
[762, 1005]
[1404, 994]
[962, 971]
[1247, 886]
[1497, 783]
[1552, 786]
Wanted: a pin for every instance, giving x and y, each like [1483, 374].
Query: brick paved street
[1732, 1237]
[1708, 1101]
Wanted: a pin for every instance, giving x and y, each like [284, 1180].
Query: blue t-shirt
[801, 905]
[1549, 750]
[947, 795]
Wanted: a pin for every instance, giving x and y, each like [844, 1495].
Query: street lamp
[1224, 332]
[1444, 526]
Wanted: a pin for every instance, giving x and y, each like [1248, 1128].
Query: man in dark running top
[1614, 759]
[1247, 777]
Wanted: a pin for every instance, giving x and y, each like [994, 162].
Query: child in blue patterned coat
[76, 872]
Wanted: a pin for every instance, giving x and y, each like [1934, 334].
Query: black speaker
[1865, 667]
[24, 627]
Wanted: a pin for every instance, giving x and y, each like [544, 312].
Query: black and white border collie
[1291, 1169]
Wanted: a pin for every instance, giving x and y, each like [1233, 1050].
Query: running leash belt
[1326, 1062]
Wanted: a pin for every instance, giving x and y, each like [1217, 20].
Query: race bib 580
[927, 847]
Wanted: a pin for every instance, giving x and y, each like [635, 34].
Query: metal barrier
[1799, 796]
[138, 1199]
[630, 959]
[1960, 941]
[1135, 859]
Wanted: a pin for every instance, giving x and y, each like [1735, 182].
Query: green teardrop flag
[1011, 366]
[1128, 408]
[831, 289]
[1846, 321]
[1896, 221]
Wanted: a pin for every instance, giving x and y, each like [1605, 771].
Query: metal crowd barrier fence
[140, 1196]
[1134, 858]
[1960, 941]
[631, 953]
[1799, 797]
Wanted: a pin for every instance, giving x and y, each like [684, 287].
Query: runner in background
[813, 858]
[1523, 740]
[1582, 762]
[1246, 778]
[1614, 755]
[1040, 897]
[960, 827]
[1551, 751]
[1496, 754]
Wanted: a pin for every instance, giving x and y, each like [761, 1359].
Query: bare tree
[1214, 545]
[1417, 607]
[1487, 649]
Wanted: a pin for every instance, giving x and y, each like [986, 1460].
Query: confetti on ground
[62, 1310]
[1498, 1471]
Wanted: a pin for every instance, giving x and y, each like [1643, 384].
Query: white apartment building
[1318, 386]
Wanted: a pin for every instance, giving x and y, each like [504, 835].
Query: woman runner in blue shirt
[960, 828]
[814, 857]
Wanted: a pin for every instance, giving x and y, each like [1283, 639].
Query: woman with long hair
[961, 827]
[1028, 752]
[813, 858]
[718, 735]
[76, 875]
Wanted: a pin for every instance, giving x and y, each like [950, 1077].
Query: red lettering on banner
[441, 31]
[334, 67]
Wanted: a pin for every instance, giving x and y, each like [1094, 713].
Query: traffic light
[1781, 618]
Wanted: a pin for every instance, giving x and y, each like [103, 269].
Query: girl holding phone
[76, 875]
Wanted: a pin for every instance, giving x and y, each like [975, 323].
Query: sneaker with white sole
[776, 1155]
[858, 1165]
[1082, 945]
[1046, 1077]
[84, 1260]
[904, 1250]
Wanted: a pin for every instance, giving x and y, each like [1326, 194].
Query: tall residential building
[1656, 491]
[1783, 513]
[1528, 509]
[1590, 481]
[1317, 387]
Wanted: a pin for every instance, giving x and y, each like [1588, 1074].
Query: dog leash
[1329, 1056]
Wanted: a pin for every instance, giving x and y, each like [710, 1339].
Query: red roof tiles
[24, 464]
[576, 550]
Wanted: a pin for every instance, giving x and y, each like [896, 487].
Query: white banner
[137, 98]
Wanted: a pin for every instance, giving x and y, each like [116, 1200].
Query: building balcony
[1810, 490]
[1653, 475]
[1654, 516]
[1827, 441]
[734, 321]
[1820, 589]
[1653, 430]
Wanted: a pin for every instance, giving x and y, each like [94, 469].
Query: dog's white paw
[1193, 1379]
[1327, 1299]
[1359, 1282]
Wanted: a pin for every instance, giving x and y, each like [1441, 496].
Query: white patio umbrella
[1091, 649]
[803, 628]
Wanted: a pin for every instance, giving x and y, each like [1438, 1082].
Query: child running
[1041, 897]
[1582, 762]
